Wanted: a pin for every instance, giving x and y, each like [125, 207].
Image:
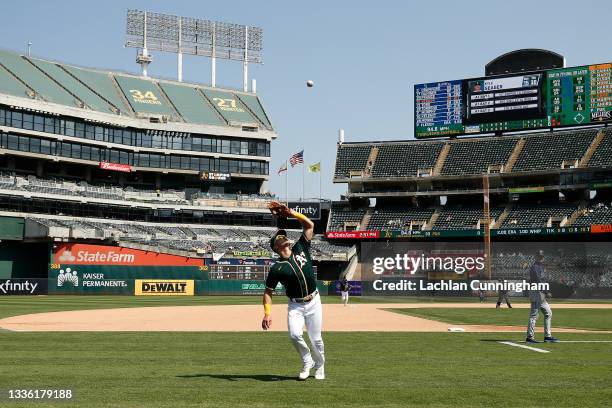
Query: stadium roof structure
[128, 100]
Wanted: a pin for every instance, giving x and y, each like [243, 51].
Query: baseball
[310, 83]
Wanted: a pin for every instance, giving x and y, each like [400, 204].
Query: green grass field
[257, 369]
[588, 319]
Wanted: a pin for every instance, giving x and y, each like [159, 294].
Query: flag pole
[320, 171]
[303, 177]
[286, 183]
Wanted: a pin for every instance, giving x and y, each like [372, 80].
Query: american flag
[297, 158]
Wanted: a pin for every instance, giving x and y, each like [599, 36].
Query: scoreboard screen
[438, 107]
[545, 99]
[499, 99]
[238, 272]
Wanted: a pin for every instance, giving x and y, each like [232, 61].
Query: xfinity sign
[312, 210]
[23, 287]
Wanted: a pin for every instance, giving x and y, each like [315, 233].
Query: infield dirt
[235, 318]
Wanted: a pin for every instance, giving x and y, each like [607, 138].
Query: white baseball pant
[539, 303]
[310, 314]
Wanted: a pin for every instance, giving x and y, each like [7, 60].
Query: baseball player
[503, 296]
[345, 287]
[482, 295]
[295, 272]
[539, 303]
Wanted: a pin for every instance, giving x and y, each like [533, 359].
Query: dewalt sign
[163, 287]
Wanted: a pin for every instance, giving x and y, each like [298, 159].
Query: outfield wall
[85, 269]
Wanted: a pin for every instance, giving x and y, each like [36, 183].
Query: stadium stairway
[515, 155]
[175, 112]
[189, 233]
[432, 221]
[592, 148]
[350, 272]
[212, 106]
[119, 92]
[246, 107]
[502, 217]
[79, 101]
[370, 163]
[365, 221]
[114, 108]
[582, 207]
[441, 159]
[29, 90]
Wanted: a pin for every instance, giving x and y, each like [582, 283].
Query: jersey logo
[301, 259]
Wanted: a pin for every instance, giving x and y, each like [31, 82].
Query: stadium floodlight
[186, 35]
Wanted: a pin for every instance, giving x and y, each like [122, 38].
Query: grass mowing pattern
[258, 370]
[588, 319]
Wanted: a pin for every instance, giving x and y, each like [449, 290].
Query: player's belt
[305, 299]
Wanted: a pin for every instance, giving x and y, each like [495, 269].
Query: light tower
[186, 35]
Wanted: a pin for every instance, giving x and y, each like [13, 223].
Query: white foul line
[523, 346]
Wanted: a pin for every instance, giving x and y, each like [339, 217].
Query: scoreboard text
[545, 99]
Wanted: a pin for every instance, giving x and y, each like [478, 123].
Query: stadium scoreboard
[543, 99]
[238, 272]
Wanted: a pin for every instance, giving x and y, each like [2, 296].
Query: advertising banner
[355, 287]
[310, 209]
[74, 280]
[353, 234]
[23, 287]
[85, 254]
[601, 228]
[124, 168]
[213, 176]
[163, 287]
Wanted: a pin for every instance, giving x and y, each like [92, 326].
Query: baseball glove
[279, 210]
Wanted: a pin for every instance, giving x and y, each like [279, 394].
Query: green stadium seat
[9, 85]
[229, 106]
[190, 104]
[144, 96]
[35, 79]
[102, 83]
[91, 99]
[254, 105]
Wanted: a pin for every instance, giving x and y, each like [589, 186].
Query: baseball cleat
[550, 340]
[531, 340]
[320, 373]
[305, 373]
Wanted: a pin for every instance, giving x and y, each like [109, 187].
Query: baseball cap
[276, 234]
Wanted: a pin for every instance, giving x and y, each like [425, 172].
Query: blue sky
[364, 56]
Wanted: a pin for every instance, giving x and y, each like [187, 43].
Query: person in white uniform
[345, 288]
[295, 272]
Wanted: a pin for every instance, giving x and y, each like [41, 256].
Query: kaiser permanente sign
[85, 254]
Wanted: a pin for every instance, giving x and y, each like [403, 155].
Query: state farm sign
[125, 168]
[85, 254]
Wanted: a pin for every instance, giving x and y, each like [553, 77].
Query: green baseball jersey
[295, 273]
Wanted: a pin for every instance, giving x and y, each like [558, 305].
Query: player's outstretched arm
[282, 211]
[307, 224]
[266, 323]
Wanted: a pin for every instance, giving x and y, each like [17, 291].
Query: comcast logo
[68, 276]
